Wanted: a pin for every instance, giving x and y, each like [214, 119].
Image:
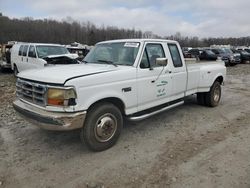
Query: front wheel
[102, 127]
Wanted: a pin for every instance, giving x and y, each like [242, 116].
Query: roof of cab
[138, 40]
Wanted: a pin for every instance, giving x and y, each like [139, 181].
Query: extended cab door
[154, 83]
[179, 72]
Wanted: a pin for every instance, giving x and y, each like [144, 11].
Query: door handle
[168, 71]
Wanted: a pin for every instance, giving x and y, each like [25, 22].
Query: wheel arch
[13, 65]
[220, 79]
[113, 100]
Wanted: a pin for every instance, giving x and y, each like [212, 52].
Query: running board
[144, 116]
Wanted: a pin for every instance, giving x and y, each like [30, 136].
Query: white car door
[154, 83]
[22, 64]
[34, 61]
[179, 72]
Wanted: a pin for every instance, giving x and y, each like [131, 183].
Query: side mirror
[162, 61]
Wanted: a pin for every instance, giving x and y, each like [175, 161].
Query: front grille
[237, 57]
[225, 58]
[31, 91]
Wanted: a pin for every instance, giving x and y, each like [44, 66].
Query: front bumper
[58, 121]
[234, 61]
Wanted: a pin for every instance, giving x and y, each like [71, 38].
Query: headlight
[61, 97]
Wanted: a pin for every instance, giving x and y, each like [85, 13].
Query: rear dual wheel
[211, 98]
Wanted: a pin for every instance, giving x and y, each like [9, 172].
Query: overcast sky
[211, 18]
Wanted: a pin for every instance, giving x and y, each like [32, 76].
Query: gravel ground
[190, 146]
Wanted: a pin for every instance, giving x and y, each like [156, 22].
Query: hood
[61, 73]
[72, 56]
[60, 59]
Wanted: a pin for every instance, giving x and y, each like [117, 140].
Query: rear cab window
[175, 54]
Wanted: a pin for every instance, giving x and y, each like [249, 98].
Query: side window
[150, 54]
[32, 52]
[144, 61]
[175, 55]
[25, 49]
[20, 50]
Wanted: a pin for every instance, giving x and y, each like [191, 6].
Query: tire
[15, 71]
[212, 98]
[201, 98]
[102, 127]
[227, 64]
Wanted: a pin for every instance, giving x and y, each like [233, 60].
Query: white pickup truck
[133, 79]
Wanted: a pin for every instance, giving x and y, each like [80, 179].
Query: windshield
[119, 53]
[218, 51]
[221, 51]
[44, 51]
[228, 50]
[244, 52]
[209, 52]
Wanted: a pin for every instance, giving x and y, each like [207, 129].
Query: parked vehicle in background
[247, 50]
[207, 55]
[227, 55]
[130, 78]
[79, 49]
[245, 56]
[38, 55]
[195, 52]
[203, 54]
[185, 52]
[5, 59]
[234, 58]
[221, 54]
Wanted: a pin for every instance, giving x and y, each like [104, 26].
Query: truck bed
[194, 61]
[200, 74]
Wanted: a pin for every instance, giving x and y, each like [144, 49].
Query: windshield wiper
[107, 62]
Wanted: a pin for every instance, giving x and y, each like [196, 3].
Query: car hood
[59, 74]
[72, 56]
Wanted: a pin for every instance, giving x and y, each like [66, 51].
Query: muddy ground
[190, 146]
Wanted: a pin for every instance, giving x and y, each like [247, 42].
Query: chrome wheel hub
[105, 127]
[216, 94]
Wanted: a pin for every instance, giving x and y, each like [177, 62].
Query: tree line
[68, 30]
